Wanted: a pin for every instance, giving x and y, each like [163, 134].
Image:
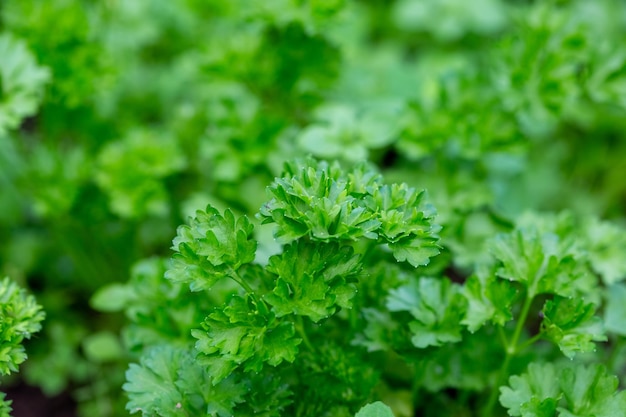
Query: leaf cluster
[269, 327]
[20, 318]
[119, 119]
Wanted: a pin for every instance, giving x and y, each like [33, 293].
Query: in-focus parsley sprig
[320, 211]
[269, 325]
[325, 204]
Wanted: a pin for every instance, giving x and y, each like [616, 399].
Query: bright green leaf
[571, 324]
[211, 247]
[375, 409]
[437, 307]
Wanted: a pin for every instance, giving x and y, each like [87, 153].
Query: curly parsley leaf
[244, 334]
[406, 223]
[534, 393]
[313, 279]
[268, 395]
[541, 261]
[572, 325]
[167, 383]
[488, 299]
[151, 384]
[131, 172]
[590, 391]
[572, 391]
[457, 365]
[316, 199]
[606, 242]
[437, 307]
[323, 202]
[20, 317]
[334, 378]
[348, 132]
[210, 247]
[381, 332]
[5, 406]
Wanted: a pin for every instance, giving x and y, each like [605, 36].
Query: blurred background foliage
[119, 118]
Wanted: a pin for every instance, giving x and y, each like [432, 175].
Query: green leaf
[571, 324]
[375, 409]
[406, 222]
[606, 242]
[211, 247]
[203, 397]
[142, 300]
[381, 332]
[333, 378]
[415, 251]
[22, 82]
[321, 201]
[459, 366]
[110, 298]
[347, 132]
[168, 382]
[103, 346]
[131, 172]
[5, 406]
[590, 391]
[151, 385]
[572, 390]
[436, 304]
[20, 317]
[313, 279]
[244, 333]
[268, 395]
[534, 393]
[543, 262]
[488, 299]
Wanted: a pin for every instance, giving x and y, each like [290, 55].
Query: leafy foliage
[20, 317]
[313, 280]
[437, 307]
[22, 83]
[213, 246]
[572, 325]
[320, 201]
[569, 390]
[118, 120]
[268, 327]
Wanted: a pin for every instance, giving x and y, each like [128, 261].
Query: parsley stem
[300, 329]
[235, 277]
[530, 341]
[502, 335]
[511, 350]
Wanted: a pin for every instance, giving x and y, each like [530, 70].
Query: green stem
[235, 277]
[300, 329]
[529, 342]
[502, 335]
[493, 397]
[511, 350]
